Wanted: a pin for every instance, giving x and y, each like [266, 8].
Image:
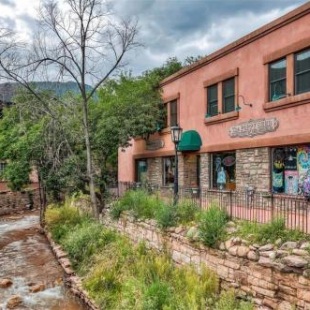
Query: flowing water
[26, 259]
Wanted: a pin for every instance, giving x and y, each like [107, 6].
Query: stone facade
[253, 169]
[154, 170]
[249, 271]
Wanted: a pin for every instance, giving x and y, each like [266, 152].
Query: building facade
[249, 106]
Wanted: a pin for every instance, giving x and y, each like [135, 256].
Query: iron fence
[250, 205]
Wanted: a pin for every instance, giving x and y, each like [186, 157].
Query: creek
[28, 262]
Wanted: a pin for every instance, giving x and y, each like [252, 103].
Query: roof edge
[252, 36]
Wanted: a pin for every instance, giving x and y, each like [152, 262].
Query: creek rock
[14, 301]
[295, 261]
[37, 288]
[5, 283]
[289, 245]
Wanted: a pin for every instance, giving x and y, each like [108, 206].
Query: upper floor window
[173, 113]
[277, 80]
[212, 100]
[302, 72]
[228, 95]
[170, 113]
[221, 104]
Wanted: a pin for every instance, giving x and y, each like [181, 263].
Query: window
[224, 171]
[212, 108]
[170, 114]
[290, 168]
[302, 72]
[228, 95]
[221, 95]
[168, 170]
[173, 113]
[141, 170]
[277, 80]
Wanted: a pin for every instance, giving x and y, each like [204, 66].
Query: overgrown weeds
[142, 205]
[269, 232]
[118, 275]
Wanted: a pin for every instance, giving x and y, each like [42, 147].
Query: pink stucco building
[249, 103]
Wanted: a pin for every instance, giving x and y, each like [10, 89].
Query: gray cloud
[195, 27]
[7, 22]
[10, 3]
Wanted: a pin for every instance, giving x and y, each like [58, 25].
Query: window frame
[218, 81]
[225, 97]
[300, 73]
[271, 82]
[212, 102]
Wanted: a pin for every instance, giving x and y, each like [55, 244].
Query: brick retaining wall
[268, 287]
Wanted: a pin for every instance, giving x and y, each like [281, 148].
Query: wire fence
[250, 205]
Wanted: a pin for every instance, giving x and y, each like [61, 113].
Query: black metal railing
[250, 205]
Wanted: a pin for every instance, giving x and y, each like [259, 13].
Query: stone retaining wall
[253, 273]
[15, 202]
[73, 282]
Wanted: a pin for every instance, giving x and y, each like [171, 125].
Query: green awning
[190, 141]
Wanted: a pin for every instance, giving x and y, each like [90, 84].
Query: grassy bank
[118, 275]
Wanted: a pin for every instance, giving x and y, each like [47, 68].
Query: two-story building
[244, 110]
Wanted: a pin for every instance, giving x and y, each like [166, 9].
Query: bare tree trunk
[90, 174]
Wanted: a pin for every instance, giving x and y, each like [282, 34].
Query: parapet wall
[252, 271]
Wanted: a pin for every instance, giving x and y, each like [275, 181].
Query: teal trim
[190, 141]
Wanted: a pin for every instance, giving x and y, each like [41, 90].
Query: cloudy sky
[170, 28]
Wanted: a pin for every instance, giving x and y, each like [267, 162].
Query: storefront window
[168, 170]
[141, 170]
[290, 168]
[224, 171]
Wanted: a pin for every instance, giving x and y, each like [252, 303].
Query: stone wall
[14, 202]
[249, 271]
[205, 162]
[154, 171]
[253, 169]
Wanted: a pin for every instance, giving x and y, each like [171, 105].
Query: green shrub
[88, 238]
[60, 220]
[228, 301]
[211, 225]
[157, 296]
[166, 216]
[141, 204]
[186, 212]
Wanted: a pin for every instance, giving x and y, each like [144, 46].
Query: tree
[81, 41]
[127, 107]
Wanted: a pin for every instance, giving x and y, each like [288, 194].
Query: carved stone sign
[153, 145]
[254, 127]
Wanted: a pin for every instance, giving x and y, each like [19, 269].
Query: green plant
[256, 232]
[166, 216]
[211, 225]
[186, 212]
[157, 295]
[228, 301]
